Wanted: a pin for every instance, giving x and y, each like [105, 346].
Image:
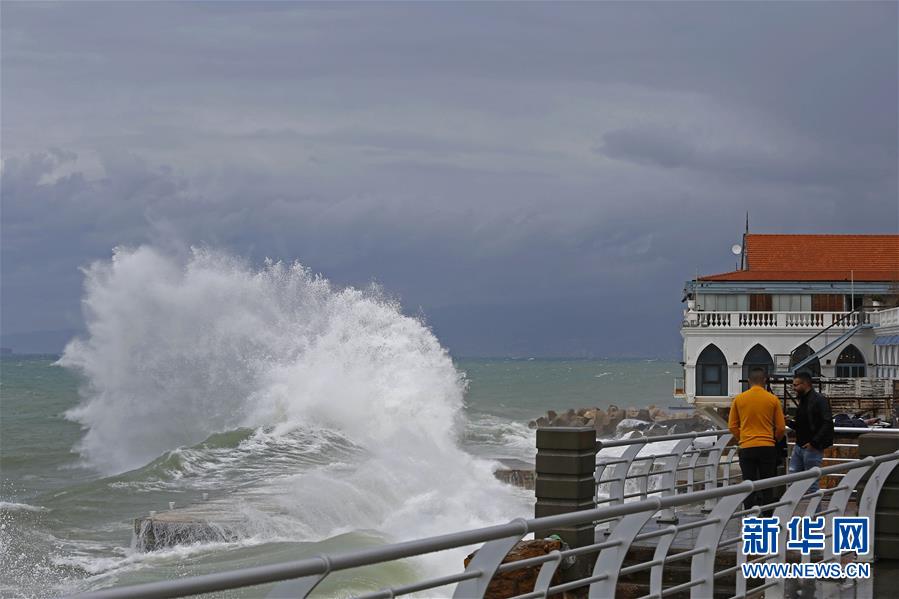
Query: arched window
[850, 363]
[801, 353]
[711, 372]
[757, 357]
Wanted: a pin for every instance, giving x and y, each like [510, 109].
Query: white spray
[180, 349]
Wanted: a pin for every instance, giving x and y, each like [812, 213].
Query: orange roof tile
[817, 258]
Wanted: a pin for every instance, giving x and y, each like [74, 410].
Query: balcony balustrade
[885, 318]
[774, 320]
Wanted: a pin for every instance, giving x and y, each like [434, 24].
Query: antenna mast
[743, 253]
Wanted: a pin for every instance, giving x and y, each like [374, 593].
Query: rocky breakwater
[614, 422]
[611, 422]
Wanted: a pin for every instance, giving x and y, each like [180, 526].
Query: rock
[691, 424]
[631, 424]
[522, 580]
[551, 414]
[532, 424]
[582, 412]
[523, 479]
[644, 415]
[543, 421]
[656, 430]
[178, 527]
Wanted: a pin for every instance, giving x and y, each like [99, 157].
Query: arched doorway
[801, 353]
[711, 372]
[757, 357]
[850, 363]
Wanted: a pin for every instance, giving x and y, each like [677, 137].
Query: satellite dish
[735, 249]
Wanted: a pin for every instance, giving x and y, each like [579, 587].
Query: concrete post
[566, 462]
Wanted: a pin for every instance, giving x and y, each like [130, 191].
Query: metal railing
[610, 549]
[684, 466]
[659, 471]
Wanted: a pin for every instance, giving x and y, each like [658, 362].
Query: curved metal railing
[700, 465]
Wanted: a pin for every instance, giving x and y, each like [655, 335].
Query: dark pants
[758, 463]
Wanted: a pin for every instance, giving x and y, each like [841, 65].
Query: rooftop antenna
[743, 253]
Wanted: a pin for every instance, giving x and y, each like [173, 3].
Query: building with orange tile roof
[828, 304]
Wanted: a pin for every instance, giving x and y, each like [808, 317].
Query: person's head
[802, 382]
[758, 377]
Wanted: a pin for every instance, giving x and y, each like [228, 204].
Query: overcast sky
[536, 179]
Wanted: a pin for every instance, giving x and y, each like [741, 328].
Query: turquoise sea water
[66, 526]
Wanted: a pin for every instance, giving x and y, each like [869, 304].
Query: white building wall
[888, 355]
[736, 343]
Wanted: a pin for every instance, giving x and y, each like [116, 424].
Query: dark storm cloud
[646, 146]
[668, 148]
[555, 164]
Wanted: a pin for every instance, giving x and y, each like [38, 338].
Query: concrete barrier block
[574, 438]
[566, 462]
[564, 487]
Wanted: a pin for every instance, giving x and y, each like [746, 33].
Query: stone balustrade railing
[885, 318]
[772, 320]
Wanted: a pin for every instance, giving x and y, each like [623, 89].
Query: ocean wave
[241, 456]
[308, 411]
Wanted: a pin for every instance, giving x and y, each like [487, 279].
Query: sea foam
[179, 349]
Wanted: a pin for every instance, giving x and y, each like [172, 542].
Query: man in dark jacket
[813, 427]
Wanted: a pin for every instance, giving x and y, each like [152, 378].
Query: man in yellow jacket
[757, 423]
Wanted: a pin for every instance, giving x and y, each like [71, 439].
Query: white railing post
[791, 498]
[691, 469]
[702, 566]
[661, 552]
[611, 558]
[712, 464]
[619, 473]
[487, 559]
[669, 479]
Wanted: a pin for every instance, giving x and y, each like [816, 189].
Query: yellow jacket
[756, 418]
